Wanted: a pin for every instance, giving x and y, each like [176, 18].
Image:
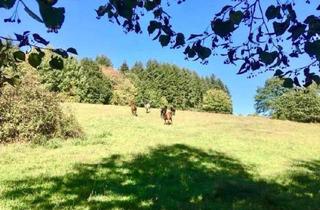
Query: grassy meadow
[202, 161]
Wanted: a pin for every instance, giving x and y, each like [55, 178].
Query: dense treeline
[296, 104]
[163, 84]
[95, 81]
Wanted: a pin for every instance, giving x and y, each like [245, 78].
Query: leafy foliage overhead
[270, 27]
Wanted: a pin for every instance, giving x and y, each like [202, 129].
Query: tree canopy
[296, 104]
[271, 27]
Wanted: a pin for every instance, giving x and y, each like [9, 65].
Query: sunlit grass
[90, 173]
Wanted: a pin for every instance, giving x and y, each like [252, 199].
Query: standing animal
[133, 109]
[166, 115]
[147, 107]
[163, 111]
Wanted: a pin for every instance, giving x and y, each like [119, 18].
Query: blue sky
[93, 37]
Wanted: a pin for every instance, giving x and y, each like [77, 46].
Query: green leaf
[222, 28]
[288, 83]
[316, 79]
[52, 17]
[164, 40]
[33, 15]
[180, 40]
[281, 28]
[7, 4]
[236, 17]
[56, 63]
[204, 52]
[267, 57]
[272, 12]
[72, 50]
[19, 56]
[35, 59]
[278, 73]
[313, 49]
[153, 25]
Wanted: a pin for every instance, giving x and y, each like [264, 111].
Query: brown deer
[166, 115]
[133, 109]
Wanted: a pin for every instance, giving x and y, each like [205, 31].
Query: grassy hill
[202, 161]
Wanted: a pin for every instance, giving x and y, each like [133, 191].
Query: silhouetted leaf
[34, 59]
[72, 50]
[203, 52]
[32, 14]
[267, 57]
[288, 83]
[278, 73]
[19, 56]
[7, 4]
[39, 39]
[61, 52]
[153, 25]
[316, 79]
[19, 37]
[272, 12]
[296, 82]
[236, 17]
[51, 16]
[56, 63]
[244, 68]
[280, 28]
[164, 40]
[180, 40]
[222, 28]
[313, 49]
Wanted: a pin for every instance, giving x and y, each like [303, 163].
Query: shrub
[29, 112]
[123, 92]
[298, 105]
[218, 101]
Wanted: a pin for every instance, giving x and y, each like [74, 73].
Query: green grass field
[202, 161]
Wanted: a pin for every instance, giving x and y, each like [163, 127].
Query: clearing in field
[202, 161]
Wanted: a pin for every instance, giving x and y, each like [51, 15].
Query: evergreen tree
[103, 61]
[124, 68]
[137, 67]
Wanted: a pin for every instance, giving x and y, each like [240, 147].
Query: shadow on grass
[168, 177]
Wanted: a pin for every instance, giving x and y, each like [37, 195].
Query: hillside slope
[202, 161]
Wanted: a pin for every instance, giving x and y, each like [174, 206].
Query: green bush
[298, 105]
[123, 91]
[218, 101]
[29, 112]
